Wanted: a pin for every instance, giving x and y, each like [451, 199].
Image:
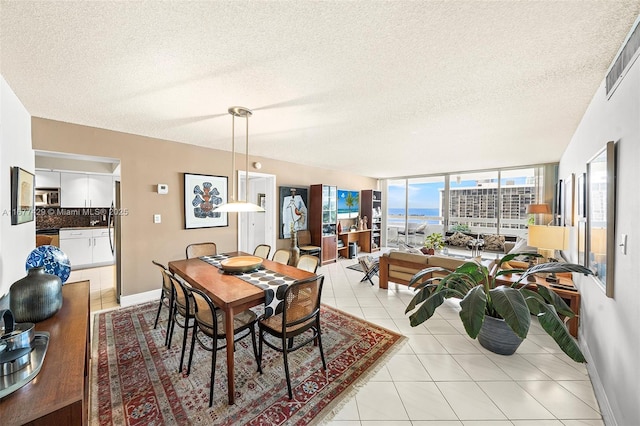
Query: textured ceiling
[381, 89]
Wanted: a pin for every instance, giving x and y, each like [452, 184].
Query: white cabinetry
[46, 179]
[86, 247]
[82, 190]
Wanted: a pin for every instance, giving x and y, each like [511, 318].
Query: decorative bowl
[241, 264]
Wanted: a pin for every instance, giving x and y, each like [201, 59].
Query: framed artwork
[262, 198]
[568, 208]
[348, 204]
[559, 212]
[22, 196]
[582, 241]
[293, 210]
[601, 192]
[202, 193]
[581, 196]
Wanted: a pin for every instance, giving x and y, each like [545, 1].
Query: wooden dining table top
[227, 289]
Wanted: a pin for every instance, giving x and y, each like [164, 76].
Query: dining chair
[201, 249]
[301, 313]
[308, 263]
[166, 296]
[305, 246]
[213, 326]
[262, 250]
[281, 256]
[183, 306]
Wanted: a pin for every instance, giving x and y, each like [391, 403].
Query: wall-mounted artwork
[293, 210]
[202, 193]
[581, 196]
[601, 202]
[569, 196]
[22, 196]
[348, 204]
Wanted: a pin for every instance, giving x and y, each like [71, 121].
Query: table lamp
[538, 209]
[548, 239]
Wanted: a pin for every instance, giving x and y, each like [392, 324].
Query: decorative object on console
[433, 242]
[293, 247]
[548, 239]
[36, 297]
[54, 261]
[482, 297]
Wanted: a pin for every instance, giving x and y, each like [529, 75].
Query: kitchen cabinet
[45, 179]
[86, 247]
[84, 190]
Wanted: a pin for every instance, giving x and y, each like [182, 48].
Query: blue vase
[53, 260]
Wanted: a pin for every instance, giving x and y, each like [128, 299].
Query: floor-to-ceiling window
[479, 202]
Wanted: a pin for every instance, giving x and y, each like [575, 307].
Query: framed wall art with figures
[202, 194]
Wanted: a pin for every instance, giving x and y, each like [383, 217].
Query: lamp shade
[548, 237]
[538, 209]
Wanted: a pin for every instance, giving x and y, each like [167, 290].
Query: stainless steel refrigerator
[115, 225]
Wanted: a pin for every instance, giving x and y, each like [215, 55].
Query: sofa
[400, 266]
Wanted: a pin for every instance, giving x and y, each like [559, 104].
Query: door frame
[246, 241]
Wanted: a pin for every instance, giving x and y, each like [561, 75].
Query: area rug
[135, 379]
[355, 267]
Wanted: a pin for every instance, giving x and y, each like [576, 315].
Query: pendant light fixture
[232, 205]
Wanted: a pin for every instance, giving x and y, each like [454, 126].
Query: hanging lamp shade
[239, 205]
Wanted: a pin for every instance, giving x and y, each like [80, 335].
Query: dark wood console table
[59, 394]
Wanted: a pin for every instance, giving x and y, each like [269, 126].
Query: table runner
[273, 283]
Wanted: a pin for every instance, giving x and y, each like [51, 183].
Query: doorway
[257, 228]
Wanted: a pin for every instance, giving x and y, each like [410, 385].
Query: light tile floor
[443, 377]
[440, 377]
[102, 286]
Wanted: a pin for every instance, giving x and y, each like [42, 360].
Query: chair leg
[193, 343]
[260, 340]
[324, 363]
[286, 366]
[255, 349]
[172, 324]
[159, 308]
[213, 371]
[184, 342]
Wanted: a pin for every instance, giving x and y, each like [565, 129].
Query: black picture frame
[202, 193]
[581, 196]
[22, 196]
[294, 204]
[559, 207]
[601, 203]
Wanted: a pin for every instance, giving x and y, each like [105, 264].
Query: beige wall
[145, 162]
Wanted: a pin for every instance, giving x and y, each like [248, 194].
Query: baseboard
[138, 298]
[598, 389]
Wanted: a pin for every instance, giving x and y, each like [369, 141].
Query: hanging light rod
[236, 205]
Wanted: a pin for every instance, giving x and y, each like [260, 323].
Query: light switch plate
[157, 218]
[623, 243]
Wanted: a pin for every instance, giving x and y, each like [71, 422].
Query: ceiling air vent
[626, 57]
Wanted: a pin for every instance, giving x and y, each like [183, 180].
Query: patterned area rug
[135, 379]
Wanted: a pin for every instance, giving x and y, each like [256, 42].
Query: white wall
[17, 241]
[609, 326]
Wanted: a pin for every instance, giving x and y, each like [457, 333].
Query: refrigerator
[115, 225]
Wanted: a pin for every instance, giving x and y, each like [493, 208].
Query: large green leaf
[427, 308]
[554, 326]
[420, 275]
[473, 310]
[552, 297]
[510, 304]
[556, 267]
[421, 296]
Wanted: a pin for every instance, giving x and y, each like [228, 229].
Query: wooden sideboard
[362, 238]
[572, 297]
[59, 394]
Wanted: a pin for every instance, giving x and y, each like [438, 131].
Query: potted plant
[486, 306]
[432, 243]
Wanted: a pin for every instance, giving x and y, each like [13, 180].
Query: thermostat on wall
[163, 188]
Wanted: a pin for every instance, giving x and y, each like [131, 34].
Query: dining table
[230, 294]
